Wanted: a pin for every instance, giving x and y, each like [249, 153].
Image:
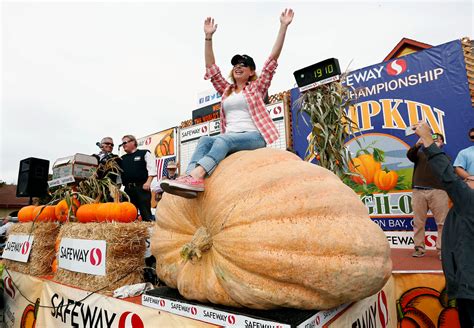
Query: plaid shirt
[254, 93]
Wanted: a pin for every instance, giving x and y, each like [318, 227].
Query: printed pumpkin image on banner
[28, 318]
[165, 146]
[373, 170]
[422, 302]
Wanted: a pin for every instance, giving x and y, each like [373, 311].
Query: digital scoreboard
[318, 74]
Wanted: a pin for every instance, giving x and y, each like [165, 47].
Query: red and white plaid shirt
[254, 93]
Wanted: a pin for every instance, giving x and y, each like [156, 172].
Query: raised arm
[285, 19]
[458, 190]
[209, 29]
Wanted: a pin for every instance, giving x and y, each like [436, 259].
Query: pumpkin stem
[200, 244]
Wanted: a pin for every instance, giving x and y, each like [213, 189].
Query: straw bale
[125, 258]
[42, 253]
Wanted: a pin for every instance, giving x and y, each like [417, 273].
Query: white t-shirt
[237, 114]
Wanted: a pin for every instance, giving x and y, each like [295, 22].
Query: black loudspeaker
[32, 178]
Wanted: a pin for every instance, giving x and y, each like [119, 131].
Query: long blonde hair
[231, 77]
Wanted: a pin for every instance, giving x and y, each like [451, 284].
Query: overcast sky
[74, 72]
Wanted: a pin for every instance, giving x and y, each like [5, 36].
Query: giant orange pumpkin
[46, 213]
[26, 213]
[270, 231]
[366, 166]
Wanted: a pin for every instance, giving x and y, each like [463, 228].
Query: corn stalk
[331, 126]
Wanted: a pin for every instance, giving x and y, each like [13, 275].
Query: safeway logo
[130, 320]
[95, 257]
[204, 129]
[277, 110]
[25, 247]
[397, 67]
[9, 288]
[194, 311]
[162, 303]
[430, 240]
[148, 141]
[231, 319]
[382, 309]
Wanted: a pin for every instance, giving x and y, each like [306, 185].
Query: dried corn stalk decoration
[331, 126]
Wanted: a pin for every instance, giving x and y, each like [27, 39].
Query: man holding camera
[428, 194]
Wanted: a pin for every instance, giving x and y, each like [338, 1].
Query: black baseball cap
[243, 59]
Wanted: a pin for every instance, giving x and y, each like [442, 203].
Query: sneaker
[178, 192]
[187, 183]
[419, 252]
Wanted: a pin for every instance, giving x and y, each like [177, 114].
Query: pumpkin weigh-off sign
[270, 231]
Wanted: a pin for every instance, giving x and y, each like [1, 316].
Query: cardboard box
[79, 166]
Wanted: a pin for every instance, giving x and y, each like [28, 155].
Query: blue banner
[429, 85]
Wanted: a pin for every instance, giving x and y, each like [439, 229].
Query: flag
[161, 166]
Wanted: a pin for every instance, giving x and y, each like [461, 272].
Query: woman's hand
[286, 17]
[209, 26]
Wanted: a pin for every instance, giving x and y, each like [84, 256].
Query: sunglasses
[125, 142]
[471, 137]
[240, 65]
[108, 144]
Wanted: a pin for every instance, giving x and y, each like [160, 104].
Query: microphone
[97, 144]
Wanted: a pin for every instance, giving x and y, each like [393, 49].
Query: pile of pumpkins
[99, 212]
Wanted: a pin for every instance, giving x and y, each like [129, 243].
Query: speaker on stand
[32, 178]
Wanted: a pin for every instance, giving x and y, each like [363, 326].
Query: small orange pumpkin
[386, 181]
[62, 209]
[366, 166]
[47, 213]
[120, 212]
[57, 244]
[26, 213]
[54, 266]
[124, 212]
[87, 213]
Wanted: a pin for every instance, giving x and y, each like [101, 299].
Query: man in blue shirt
[464, 162]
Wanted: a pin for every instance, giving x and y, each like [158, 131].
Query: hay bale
[126, 245]
[42, 254]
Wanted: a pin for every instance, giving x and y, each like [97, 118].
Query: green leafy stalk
[331, 126]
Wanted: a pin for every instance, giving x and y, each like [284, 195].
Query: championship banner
[422, 300]
[19, 311]
[70, 307]
[429, 85]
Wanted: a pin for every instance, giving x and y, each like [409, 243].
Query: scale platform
[169, 300]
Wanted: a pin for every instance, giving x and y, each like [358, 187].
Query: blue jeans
[210, 151]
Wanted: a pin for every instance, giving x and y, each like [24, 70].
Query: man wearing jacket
[458, 234]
